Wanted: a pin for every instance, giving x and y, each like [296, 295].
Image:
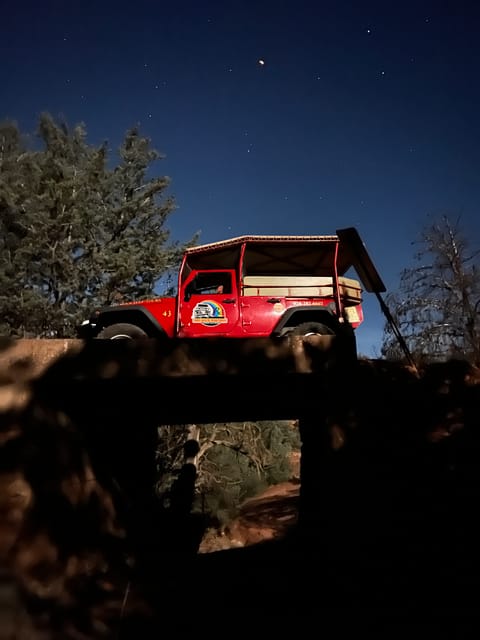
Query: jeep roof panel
[239, 240]
[268, 255]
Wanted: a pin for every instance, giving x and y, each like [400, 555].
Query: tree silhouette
[438, 301]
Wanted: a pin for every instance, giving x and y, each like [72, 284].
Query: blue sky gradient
[363, 114]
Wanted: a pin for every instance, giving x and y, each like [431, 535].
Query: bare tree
[232, 460]
[437, 304]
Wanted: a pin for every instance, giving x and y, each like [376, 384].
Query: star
[261, 62]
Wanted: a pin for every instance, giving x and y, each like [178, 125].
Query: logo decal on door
[208, 313]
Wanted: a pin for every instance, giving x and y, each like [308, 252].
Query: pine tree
[77, 233]
[17, 173]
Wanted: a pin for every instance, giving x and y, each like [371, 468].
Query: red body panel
[229, 314]
[164, 311]
[261, 314]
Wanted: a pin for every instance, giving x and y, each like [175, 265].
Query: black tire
[312, 329]
[122, 331]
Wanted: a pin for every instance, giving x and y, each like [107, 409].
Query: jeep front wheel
[122, 331]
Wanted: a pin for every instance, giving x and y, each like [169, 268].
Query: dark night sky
[363, 114]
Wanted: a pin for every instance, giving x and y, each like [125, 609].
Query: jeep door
[208, 305]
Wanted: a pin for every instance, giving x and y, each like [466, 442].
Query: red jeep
[250, 287]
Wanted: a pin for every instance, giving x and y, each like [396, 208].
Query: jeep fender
[132, 314]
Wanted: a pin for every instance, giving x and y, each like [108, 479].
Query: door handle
[229, 301]
[273, 300]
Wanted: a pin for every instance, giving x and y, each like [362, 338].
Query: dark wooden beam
[207, 380]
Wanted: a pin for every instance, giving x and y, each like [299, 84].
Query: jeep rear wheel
[312, 329]
[122, 331]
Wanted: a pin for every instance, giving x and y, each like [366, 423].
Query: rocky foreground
[386, 534]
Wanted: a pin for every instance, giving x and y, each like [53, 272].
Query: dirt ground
[384, 524]
[271, 515]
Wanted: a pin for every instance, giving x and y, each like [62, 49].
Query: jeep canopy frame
[292, 255]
